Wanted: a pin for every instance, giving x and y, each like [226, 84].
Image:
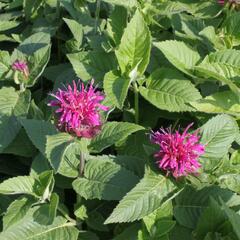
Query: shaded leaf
[104, 179]
[180, 55]
[116, 88]
[134, 49]
[217, 135]
[169, 94]
[111, 133]
[147, 196]
[27, 228]
[16, 211]
[92, 64]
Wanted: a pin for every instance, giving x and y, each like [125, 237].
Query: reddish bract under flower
[77, 110]
[222, 2]
[178, 153]
[21, 66]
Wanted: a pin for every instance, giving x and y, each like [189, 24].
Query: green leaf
[180, 55]
[134, 49]
[6, 25]
[116, 24]
[76, 29]
[36, 50]
[136, 145]
[94, 64]
[38, 131]
[86, 235]
[222, 65]
[22, 106]
[232, 28]
[211, 219]
[81, 212]
[229, 57]
[180, 232]
[63, 153]
[31, 8]
[31, 45]
[4, 63]
[95, 221]
[217, 135]
[8, 100]
[104, 179]
[56, 147]
[4, 203]
[220, 102]
[230, 181]
[187, 27]
[211, 39]
[161, 228]
[191, 203]
[130, 233]
[18, 185]
[12, 103]
[9, 128]
[146, 197]
[159, 223]
[47, 212]
[38, 63]
[116, 88]
[125, 3]
[16, 211]
[220, 72]
[111, 133]
[21, 145]
[67, 151]
[234, 219]
[28, 229]
[169, 94]
[39, 164]
[45, 186]
[132, 163]
[70, 161]
[165, 212]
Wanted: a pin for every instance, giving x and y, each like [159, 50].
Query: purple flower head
[21, 66]
[178, 153]
[77, 109]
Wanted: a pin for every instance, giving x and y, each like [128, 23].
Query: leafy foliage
[146, 197]
[134, 48]
[111, 133]
[104, 179]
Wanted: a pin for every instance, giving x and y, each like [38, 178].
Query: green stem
[22, 87]
[136, 102]
[97, 15]
[81, 164]
[175, 124]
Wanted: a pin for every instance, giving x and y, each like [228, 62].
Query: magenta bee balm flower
[178, 153]
[78, 110]
[21, 66]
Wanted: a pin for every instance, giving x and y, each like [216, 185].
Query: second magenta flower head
[178, 153]
[78, 109]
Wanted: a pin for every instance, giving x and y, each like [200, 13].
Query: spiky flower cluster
[21, 66]
[78, 109]
[178, 153]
